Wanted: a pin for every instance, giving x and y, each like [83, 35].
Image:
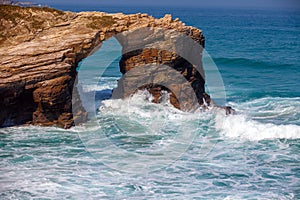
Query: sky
[186, 3]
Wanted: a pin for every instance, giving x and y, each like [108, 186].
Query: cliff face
[40, 49]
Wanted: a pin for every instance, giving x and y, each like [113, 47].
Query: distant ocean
[254, 154]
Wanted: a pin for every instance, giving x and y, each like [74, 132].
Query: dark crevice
[20, 111]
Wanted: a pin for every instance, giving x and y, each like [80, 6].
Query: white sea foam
[160, 132]
[56, 152]
[90, 88]
[286, 110]
[247, 124]
[254, 121]
[250, 122]
[103, 83]
[238, 126]
[140, 107]
[139, 110]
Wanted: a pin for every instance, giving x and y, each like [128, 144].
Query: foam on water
[254, 119]
[90, 88]
[105, 83]
[136, 117]
[271, 109]
[239, 126]
[250, 122]
[54, 163]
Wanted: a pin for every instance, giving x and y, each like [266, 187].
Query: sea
[135, 149]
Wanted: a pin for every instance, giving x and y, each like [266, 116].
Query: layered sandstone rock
[163, 60]
[40, 49]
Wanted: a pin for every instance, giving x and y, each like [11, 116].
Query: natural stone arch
[40, 71]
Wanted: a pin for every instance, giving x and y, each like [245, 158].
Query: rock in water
[39, 56]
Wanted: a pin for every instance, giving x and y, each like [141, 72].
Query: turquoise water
[254, 154]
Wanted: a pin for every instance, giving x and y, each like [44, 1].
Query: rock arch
[38, 69]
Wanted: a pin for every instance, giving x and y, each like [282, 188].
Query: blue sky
[186, 3]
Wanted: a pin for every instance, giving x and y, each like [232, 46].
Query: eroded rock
[40, 49]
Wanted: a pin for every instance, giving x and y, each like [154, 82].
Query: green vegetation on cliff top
[17, 20]
[99, 22]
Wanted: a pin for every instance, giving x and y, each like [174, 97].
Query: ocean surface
[140, 150]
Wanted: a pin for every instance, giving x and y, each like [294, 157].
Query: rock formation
[40, 49]
[163, 60]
